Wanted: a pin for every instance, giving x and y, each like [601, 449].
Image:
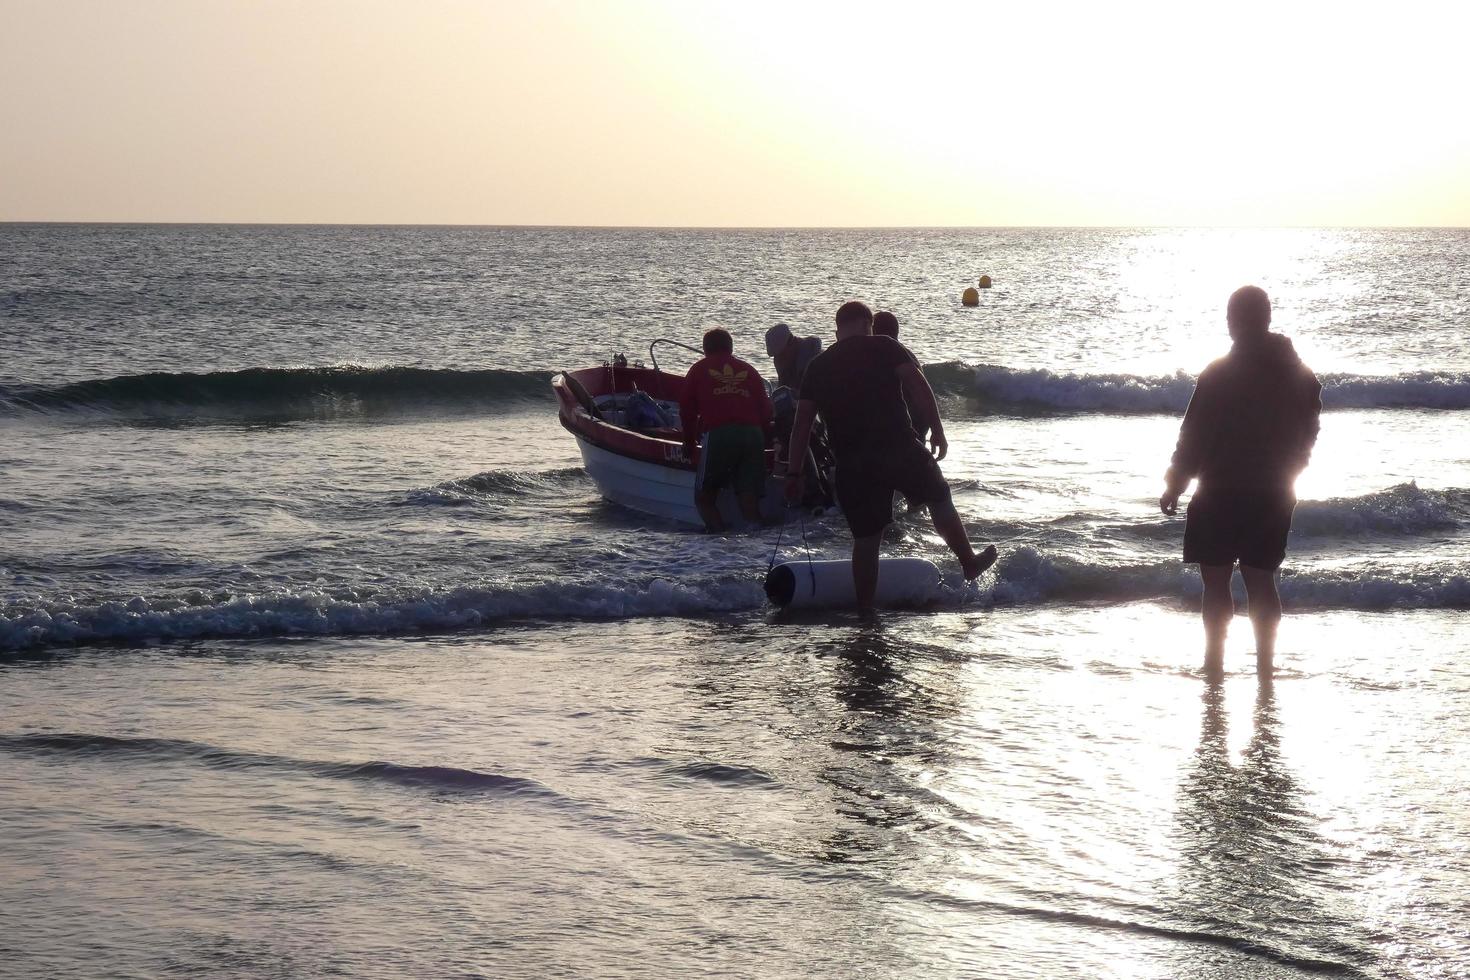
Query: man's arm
[1311, 415]
[1194, 435]
[921, 397]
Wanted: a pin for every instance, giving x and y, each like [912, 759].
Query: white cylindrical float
[818, 584]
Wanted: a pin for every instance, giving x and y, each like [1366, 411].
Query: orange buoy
[970, 297]
[984, 282]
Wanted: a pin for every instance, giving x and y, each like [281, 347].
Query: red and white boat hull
[661, 490]
[646, 471]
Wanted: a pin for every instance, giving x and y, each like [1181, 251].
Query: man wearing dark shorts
[858, 386]
[725, 401]
[1247, 434]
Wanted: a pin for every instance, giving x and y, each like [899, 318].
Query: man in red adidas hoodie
[725, 402]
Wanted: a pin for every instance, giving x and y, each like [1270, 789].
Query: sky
[751, 113]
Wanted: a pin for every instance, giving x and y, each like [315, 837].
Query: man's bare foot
[978, 565]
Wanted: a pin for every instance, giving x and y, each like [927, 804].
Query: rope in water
[812, 572]
[786, 520]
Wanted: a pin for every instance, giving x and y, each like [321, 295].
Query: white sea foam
[1028, 575]
[321, 614]
[1024, 576]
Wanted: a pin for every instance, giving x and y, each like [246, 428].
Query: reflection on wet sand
[1252, 859]
[886, 713]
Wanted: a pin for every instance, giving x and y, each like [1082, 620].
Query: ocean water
[321, 656]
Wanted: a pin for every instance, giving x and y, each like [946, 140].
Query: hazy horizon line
[625, 227]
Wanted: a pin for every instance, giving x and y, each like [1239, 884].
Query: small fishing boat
[626, 423]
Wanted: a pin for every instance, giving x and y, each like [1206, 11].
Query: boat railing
[653, 357]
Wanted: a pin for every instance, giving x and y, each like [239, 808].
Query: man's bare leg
[1264, 604]
[865, 570]
[709, 511]
[1217, 609]
[947, 522]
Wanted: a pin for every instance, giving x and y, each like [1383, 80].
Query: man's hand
[795, 487]
[689, 450]
[937, 443]
[1169, 502]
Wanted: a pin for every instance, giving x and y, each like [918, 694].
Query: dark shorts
[865, 485]
[733, 455]
[1223, 527]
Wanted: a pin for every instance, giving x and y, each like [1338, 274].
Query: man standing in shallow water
[859, 386]
[1247, 434]
[724, 400]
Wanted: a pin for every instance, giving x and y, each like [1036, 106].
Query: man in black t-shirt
[859, 386]
[885, 324]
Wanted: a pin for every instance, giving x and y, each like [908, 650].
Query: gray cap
[777, 338]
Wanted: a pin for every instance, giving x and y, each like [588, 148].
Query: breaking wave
[329, 392]
[1403, 509]
[308, 392]
[1045, 391]
[313, 613]
[1024, 576]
